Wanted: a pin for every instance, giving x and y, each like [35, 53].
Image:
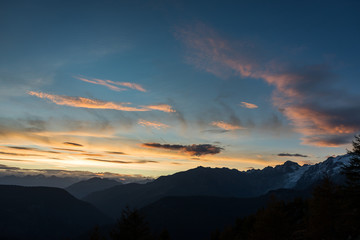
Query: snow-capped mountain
[314, 173]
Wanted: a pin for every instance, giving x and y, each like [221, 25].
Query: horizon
[148, 89]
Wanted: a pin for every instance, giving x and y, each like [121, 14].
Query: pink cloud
[304, 94]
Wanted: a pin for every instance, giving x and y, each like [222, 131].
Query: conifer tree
[351, 193]
[131, 226]
[352, 171]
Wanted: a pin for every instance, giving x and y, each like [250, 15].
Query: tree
[325, 217]
[352, 171]
[131, 226]
[351, 191]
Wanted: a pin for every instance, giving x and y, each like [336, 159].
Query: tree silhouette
[352, 171]
[131, 226]
[272, 222]
[325, 218]
[351, 192]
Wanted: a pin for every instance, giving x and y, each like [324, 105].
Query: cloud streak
[306, 95]
[193, 150]
[292, 155]
[248, 105]
[110, 84]
[73, 144]
[81, 102]
[157, 125]
[122, 162]
[226, 126]
[160, 107]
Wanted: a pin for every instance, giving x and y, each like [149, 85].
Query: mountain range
[218, 182]
[85, 187]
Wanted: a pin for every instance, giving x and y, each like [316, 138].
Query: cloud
[248, 105]
[19, 154]
[307, 95]
[81, 102]
[226, 126]
[101, 82]
[122, 162]
[110, 84]
[160, 107]
[5, 167]
[129, 85]
[15, 171]
[157, 125]
[31, 149]
[68, 149]
[193, 150]
[117, 153]
[73, 144]
[292, 155]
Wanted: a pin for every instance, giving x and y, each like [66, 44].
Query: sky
[150, 88]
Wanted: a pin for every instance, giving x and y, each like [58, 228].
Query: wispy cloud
[157, 125]
[81, 102]
[19, 154]
[32, 149]
[160, 107]
[226, 126]
[73, 144]
[193, 150]
[116, 153]
[101, 82]
[122, 162]
[129, 85]
[248, 105]
[305, 95]
[292, 155]
[68, 149]
[110, 84]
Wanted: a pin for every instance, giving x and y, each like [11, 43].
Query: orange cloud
[82, 102]
[248, 105]
[160, 107]
[110, 84]
[226, 126]
[156, 125]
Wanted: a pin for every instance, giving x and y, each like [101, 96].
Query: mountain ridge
[222, 182]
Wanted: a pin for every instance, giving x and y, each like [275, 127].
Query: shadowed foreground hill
[196, 217]
[44, 213]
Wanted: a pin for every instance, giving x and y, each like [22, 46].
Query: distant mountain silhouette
[220, 182]
[38, 180]
[195, 217]
[83, 188]
[44, 213]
